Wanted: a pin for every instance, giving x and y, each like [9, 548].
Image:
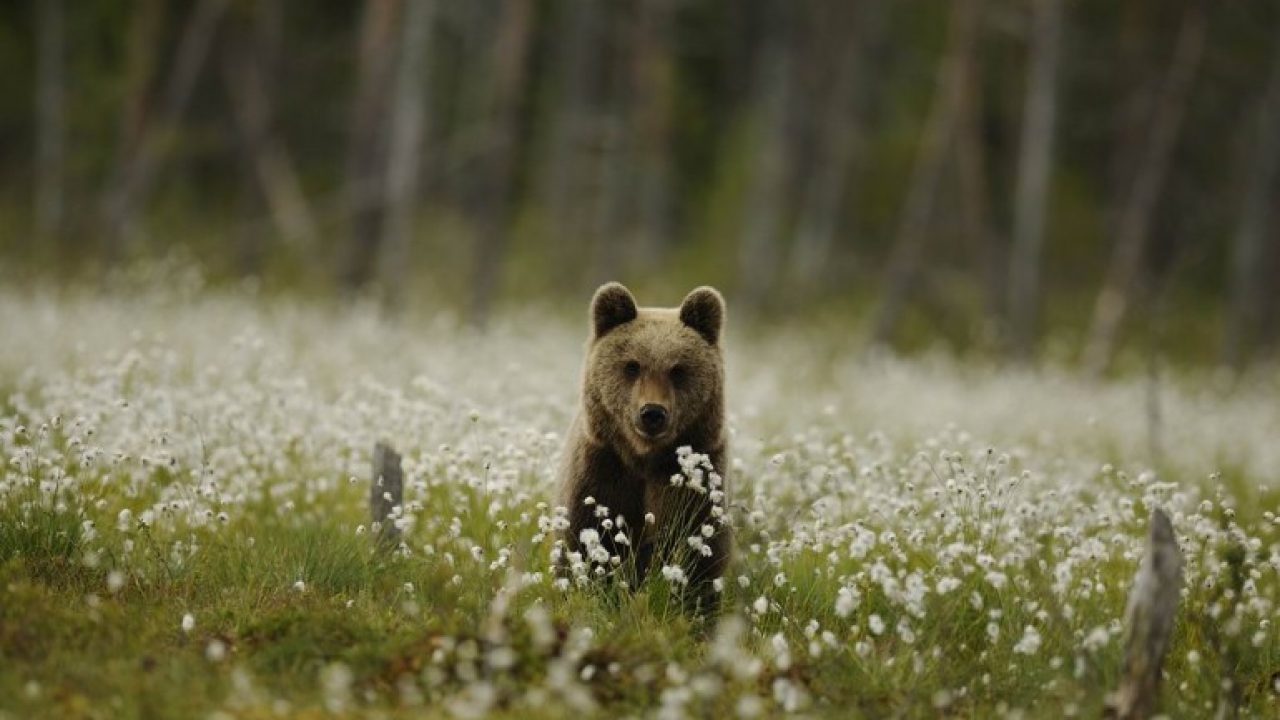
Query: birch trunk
[1249, 254]
[652, 80]
[247, 73]
[1031, 195]
[843, 128]
[1116, 295]
[506, 87]
[131, 186]
[407, 127]
[764, 211]
[926, 177]
[367, 149]
[50, 119]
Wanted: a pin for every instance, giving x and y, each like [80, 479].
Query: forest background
[1080, 181]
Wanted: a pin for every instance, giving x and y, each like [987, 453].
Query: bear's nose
[653, 419]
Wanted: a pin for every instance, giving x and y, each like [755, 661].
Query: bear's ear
[703, 310]
[611, 306]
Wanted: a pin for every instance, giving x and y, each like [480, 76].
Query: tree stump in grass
[386, 492]
[1153, 606]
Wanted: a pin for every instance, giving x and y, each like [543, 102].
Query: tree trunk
[1135, 220]
[1031, 195]
[50, 120]
[407, 128]
[495, 196]
[972, 195]
[841, 140]
[250, 235]
[143, 48]
[613, 156]
[1269, 330]
[1149, 620]
[367, 148]
[386, 494]
[252, 50]
[1249, 273]
[926, 177]
[567, 188]
[247, 72]
[652, 80]
[765, 209]
[130, 187]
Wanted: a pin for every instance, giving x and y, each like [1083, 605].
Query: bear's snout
[653, 420]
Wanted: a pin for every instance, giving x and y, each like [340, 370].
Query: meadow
[184, 525]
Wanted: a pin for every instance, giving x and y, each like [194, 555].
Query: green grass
[73, 648]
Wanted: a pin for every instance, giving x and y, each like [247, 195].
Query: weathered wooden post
[386, 492]
[1153, 605]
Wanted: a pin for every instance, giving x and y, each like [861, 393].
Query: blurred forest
[1085, 180]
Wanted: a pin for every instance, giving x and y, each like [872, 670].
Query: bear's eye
[631, 369]
[679, 374]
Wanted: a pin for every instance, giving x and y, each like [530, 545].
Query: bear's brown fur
[653, 382]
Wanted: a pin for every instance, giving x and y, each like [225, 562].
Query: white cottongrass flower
[761, 605]
[674, 574]
[335, 686]
[1097, 639]
[847, 599]
[876, 624]
[790, 696]
[1029, 644]
[215, 651]
[905, 632]
[947, 584]
[188, 623]
[781, 651]
[749, 707]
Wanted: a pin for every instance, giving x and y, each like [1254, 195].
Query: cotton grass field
[184, 526]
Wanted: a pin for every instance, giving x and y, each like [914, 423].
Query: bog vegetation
[184, 526]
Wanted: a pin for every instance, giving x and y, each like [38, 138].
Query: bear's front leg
[606, 515]
[708, 560]
[704, 596]
[690, 536]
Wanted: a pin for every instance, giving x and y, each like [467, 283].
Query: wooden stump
[386, 492]
[1153, 606]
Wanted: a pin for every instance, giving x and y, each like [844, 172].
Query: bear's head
[654, 377]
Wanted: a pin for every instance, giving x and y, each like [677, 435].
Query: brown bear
[641, 470]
